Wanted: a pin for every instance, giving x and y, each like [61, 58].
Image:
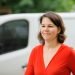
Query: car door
[14, 35]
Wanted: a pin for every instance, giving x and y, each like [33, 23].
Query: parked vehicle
[18, 35]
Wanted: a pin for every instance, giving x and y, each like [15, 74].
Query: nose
[46, 29]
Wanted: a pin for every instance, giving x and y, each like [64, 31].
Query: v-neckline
[45, 67]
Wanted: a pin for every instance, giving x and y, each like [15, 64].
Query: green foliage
[21, 6]
[55, 5]
[8, 2]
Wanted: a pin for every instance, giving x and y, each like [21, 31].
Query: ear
[59, 30]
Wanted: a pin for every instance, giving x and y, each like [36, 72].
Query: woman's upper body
[62, 63]
[51, 58]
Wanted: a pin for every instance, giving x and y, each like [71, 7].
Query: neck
[51, 44]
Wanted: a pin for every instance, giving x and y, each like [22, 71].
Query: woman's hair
[57, 20]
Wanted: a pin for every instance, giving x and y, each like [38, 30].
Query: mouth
[47, 33]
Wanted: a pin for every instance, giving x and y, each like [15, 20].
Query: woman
[52, 57]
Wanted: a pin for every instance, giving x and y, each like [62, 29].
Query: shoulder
[70, 54]
[69, 50]
[37, 49]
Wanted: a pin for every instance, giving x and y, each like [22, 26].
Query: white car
[18, 35]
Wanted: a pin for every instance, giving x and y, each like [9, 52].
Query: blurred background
[33, 6]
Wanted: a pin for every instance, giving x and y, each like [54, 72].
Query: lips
[47, 33]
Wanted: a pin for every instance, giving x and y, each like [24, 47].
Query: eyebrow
[48, 24]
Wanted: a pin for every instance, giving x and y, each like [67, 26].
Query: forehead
[46, 20]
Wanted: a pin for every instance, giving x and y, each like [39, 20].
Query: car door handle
[24, 66]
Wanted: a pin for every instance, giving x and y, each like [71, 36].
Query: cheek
[54, 31]
[41, 30]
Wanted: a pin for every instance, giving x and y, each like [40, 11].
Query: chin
[47, 39]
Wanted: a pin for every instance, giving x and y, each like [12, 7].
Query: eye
[50, 26]
[42, 25]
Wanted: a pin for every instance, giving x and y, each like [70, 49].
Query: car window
[13, 35]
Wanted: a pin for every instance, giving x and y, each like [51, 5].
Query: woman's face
[48, 30]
